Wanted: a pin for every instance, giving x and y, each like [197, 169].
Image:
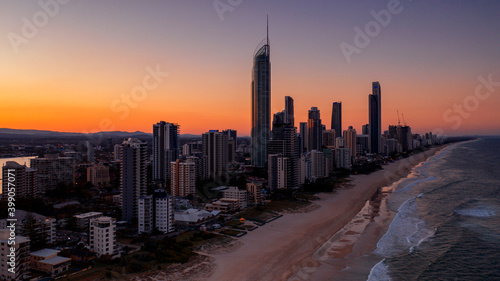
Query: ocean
[447, 218]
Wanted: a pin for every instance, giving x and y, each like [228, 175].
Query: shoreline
[285, 248]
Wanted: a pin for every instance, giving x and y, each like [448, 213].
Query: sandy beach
[287, 248]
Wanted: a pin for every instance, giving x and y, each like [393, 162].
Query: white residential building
[22, 249]
[145, 215]
[103, 236]
[164, 212]
[233, 192]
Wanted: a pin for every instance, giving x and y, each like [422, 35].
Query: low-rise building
[224, 205]
[194, 217]
[47, 260]
[233, 192]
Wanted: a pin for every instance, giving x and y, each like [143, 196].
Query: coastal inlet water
[447, 223]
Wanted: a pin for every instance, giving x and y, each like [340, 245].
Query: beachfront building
[261, 103]
[361, 144]
[102, 238]
[224, 205]
[278, 172]
[350, 141]
[254, 192]
[233, 192]
[47, 260]
[375, 119]
[343, 158]
[305, 167]
[318, 165]
[314, 130]
[194, 217]
[336, 124]
[285, 142]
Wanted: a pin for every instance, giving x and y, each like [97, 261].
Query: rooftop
[87, 215]
[45, 253]
[55, 260]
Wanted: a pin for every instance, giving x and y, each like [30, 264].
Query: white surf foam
[405, 232]
[483, 212]
[380, 272]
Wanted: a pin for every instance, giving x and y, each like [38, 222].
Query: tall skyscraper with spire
[337, 118]
[261, 102]
[375, 116]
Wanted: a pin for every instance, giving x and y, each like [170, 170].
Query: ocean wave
[483, 212]
[414, 183]
[380, 272]
[405, 232]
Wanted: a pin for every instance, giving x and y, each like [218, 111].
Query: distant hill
[7, 133]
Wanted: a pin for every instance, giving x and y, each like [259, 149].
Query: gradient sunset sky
[67, 76]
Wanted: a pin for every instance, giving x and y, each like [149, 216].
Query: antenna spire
[267, 30]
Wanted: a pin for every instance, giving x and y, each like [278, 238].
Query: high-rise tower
[314, 130]
[261, 102]
[165, 150]
[337, 118]
[289, 116]
[375, 119]
[133, 176]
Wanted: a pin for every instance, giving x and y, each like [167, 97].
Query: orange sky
[68, 77]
